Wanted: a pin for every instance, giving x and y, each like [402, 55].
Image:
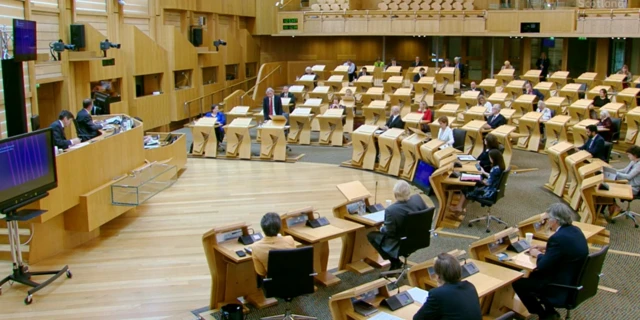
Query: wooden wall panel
[172, 18]
[93, 6]
[99, 22]
[45, 4]
[141, 23]
[137, 7]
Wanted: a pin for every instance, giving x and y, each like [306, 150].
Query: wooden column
[565, 54]
[602, 58]
[526, 55]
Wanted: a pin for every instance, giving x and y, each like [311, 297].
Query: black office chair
[586, 284]
[413, 238]
[82, 136]
[615, 133]
[458, 139]
[290, 274]
[507, 316]
[608, 148]
[628, 213]
[484, 202]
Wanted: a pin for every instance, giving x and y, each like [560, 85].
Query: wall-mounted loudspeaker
[196, 36]
[77, 36]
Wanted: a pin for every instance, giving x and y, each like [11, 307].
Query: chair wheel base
[487, 231]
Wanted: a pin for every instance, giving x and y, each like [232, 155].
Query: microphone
[375, 197]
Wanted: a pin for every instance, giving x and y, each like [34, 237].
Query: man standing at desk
[220, 119]
[394, 121]
[595, 144]
[417, 62]
[495, 120]
[387, 240]
[59, 139]
[559, 263]
[270, 225]
[271, 105]
[86, 128]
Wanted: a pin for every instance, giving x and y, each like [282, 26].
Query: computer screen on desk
[422, 175]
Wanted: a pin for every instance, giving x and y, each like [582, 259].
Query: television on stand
[25, 44]
[422, 175]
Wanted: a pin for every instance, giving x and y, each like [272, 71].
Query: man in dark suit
[474, 87]
[419, 75]
[387, 240]
[59, 138]
[87, 129]
[495, 119]
[543, 65]
[286, 94]
[458, 65]
[559, 262]
[363, 72]
[452, 299]
[271, 105]
[528, 89]
[395, 120]
[595, 144]
[417, 62]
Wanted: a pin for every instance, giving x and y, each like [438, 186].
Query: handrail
[258, 82]
[187, 103]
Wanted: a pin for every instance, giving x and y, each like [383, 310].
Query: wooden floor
[150, 263]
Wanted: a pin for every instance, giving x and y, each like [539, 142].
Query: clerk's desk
[444, 187]
[273, 143]
[363, 255]
[487, 249]
[205, 142]
[492, 282]
[300, 122]
[537, 225]
[232, 276]
[341, 306]
[294, 224]
[591, 195]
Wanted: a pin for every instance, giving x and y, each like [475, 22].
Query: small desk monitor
[422, 175]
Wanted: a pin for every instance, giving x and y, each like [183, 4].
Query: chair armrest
[565, 286]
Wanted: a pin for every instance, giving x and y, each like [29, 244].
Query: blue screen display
[422, 175]
[24, 40]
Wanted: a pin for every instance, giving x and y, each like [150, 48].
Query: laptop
[610, 173]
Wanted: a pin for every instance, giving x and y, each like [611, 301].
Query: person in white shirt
[547, 114]
[445, 133]
[351, 71]
[482, 102]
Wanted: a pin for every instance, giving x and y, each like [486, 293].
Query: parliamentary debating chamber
[143, 142]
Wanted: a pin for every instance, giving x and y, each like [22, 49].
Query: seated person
[559, 262]
[490, 143]
[630, 173]
[336, 105]
[378, 63]
[292, 99]
[528, 89]
[220, 118]
[87, 129]
[270, 225]
[363, 72]
[427, 115]
[595, 144]
[421, 73]
[495, 120]
[547, 114]
[599, 101]
[453, 298]
[482, 102]
[487, 188]
[387, 240]
[606, 123]
[309, 71]
[59, 138]
[417, 62]
[507, 65]
[445, 133]
[628, 76]
[474, 87]
[395, 120]
[447, 63]
[394, 63]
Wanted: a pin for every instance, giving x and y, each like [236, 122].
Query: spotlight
[219, 43]
[106, 45]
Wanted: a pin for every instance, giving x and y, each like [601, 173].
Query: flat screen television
[27, 167]
[24, 40]
[422, 175]
[548, 43]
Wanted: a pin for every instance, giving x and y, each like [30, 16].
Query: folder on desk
[470, 177]
[376, 217]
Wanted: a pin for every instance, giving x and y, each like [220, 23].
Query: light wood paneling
[99, 22]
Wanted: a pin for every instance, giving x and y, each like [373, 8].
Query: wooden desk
[413, 120]
[425, 90]
[633, 124]
[445, 80]
[238, 112]
[205, 142]
[372, 94]
[273, 143]
[317, 108]
[537, 225]
[503, 133]
[428, 149]
[389, 146]
[392, 84]
[375, 113]
[449, 110]
[444, 189]
[343, 91]
[559, 78]
[514, 89]
[331, 127]
[588, 78]
[507, 114]
[559, 171]
[308, 81]
[629, 97]
[468, 99]
[530, 126]
[547, 88]
[505, 76]
[556, 130]
[300, 122]
[340, 71]
[474, 141]
[579, 111]
[319, 239]
[401, 96]
[580, 132]
[364, 151]
[532, 76]
[615, 109]
[238, 139]
[499, 98]
[615, 81]
[523, 104]
[595, 91]
[591, 195]
[298, 91]
[474, 113]
[411, 151]
[319, 69]
[335, 82]
[363, 83]
[341, 306]
[391, 72]
[570, 92]
[322, 92]
[489, 86]
[574, 162]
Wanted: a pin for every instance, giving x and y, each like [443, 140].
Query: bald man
[394, 121]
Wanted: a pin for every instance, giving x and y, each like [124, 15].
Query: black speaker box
[77, 36]
[14, 103]
[196, 36]
[35, 123]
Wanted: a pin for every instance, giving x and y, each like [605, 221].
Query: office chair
[413, 238]
[458, 139]
[615, 135]
[490, 202]
[608, 148]
[507, 316]
[290, 274]
[586, 284]
[82, 136]
[628, 213]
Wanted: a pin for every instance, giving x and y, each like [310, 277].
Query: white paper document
[375, 217]
[418, 295]
[384, 316]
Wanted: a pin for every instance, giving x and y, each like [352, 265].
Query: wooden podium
[559, 78]
[335, 82]
[401, 96]
[298, 92]
[633, 124]
[307, 81]
[300, 122]
[629, 97]
[514, 89]
[372, 94]
[556, 130]
[375, 113]
[579, 110]
[205, 142]
[319, 69]
[559, 172]
[238, 112]
[489, 86]
[238, 139]
[411, 151]
[503, 133]
[364, 150]
[474, 113]
[445, 187]
[557, 104]
[474, 141]
[505, 76]
[231, 276]
[580, 131]
[530, 127]
[428, 150]
[500, 98]
[392, 72]
[392, 84]
[413, 120]
[523, 104]
[587, 78]
[532, 76]
[273, 143]
[341, 71]
[322, 92]
[445, 79]
[363, 84]
[570, 92]
[595, 91]
[468, 99]
[425, 90]
[317, 108]
[331, 127]
[389, 146]
[547, 88]
[615, 81]
[615, 109]
[574, 162]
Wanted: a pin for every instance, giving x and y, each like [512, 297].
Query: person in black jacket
[87, 129]
[421, 73]
[452, 299]
[286, 94]
[395, 120]
[271, 105]
[59, 138]
[543, 65]
[559, 262]
[495, 120]
[490, 142]
[387, 240]
[595, 144]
